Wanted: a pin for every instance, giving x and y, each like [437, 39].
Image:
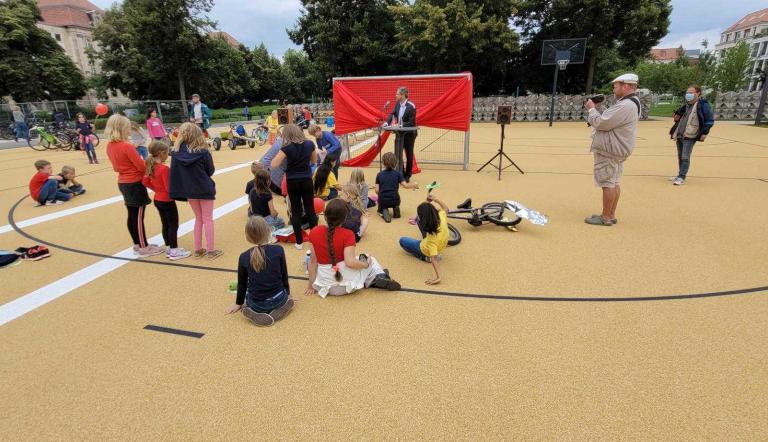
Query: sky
[255, 21]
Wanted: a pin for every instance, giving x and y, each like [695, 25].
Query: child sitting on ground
[262, 278]
[325, 184]
[357, 219]
[157, 180]
[261, 201]
[44, 187]
[433, 223]
[358, 179]
[68, 184]
[388, 182]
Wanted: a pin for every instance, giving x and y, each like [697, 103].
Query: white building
[753, 29]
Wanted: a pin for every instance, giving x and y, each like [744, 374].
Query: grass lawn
[662, 110]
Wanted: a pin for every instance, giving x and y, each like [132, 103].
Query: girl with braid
[335, 267]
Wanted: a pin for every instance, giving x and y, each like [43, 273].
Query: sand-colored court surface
[653, 329]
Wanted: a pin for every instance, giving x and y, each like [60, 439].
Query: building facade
[752, 29]
[670, 55]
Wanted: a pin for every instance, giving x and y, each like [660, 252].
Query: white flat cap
[627, 78]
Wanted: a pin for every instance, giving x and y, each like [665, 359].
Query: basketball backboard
[571, 49]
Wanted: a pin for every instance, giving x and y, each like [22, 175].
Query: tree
[32, 65]
[149, 48]
[266, 70]
[631, 26]
[706, 66]
[457, 35]
[304, 78]
[732, 72]
[347, 37]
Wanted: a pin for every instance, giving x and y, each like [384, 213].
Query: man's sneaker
[282, 311]
[382, 281]
[53, 203]
[260, 319]
[179, 253]
[150, 250]
[396, 212]
[678, 181]
[213, 254]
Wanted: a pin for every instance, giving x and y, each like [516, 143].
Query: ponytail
[332, 253]
[335, 213]
[150, 161]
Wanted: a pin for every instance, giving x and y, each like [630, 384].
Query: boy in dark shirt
[68, 184]
[388, 183]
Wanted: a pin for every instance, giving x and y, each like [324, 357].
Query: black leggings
[136, 225]
[302, 197]
[169, 217]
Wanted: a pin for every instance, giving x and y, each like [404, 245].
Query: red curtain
[443, 102]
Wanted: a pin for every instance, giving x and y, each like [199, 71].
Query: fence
[536, 107]
[738, 106]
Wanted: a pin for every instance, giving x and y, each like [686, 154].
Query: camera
[599, 98]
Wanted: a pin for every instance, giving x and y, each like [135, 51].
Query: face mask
[689, 97]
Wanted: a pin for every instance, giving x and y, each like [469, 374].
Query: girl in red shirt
[335, 268]
[130, 170]
[157, 180]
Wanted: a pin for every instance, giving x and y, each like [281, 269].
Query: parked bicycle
[261, 133]
[41, 139]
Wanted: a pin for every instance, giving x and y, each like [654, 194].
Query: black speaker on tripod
[282, 115]
[503, 114]
[503, 117]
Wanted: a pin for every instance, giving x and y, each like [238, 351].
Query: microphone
[386, 105]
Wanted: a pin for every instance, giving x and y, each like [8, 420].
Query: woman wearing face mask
[693, 120]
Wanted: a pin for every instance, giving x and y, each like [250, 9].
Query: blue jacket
[203, 110]
[705, 115]
[190, 176]
[329, 142]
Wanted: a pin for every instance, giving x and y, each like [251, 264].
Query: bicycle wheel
[454, 236]
[497, 213]
[261, 134]
[95, 140]
[63, 141]
[37, 142]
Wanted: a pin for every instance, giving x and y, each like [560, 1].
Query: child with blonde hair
[272, 124]
[68, 183]
[262, 278]
[157, 180]
[190, 180]
[358, 179]
[130, 170]
[357, 219]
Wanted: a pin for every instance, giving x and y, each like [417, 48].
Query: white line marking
[26, 303]
[85, 207]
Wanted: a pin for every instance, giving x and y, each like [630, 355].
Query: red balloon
[319, 205]
[101, 109]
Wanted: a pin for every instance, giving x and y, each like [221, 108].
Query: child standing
[261, 201]
[358, 179]
[190, 179]
[262, 278]
[44, 187]
[85, 132]
[325, 184]
[68, 184]
[139, 139]
[357, 219]
[155, 127]
[388, 182]
[130, 170]
[272, 125]
[157, 180]
[433, 223]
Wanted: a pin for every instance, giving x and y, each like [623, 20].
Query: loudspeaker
[503, 114]
[282, 115]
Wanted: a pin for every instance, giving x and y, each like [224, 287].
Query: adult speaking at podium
[404, 115]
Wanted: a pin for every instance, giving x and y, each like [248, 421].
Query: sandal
[597, 220]
[199, 253]
[213, 254]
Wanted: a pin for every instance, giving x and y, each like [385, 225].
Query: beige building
[70, 23]
[753, 29]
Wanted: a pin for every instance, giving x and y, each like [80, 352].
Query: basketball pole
[552, 101]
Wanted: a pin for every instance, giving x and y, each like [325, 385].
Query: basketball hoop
[562, 64]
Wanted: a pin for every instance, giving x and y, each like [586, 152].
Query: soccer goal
[443, 113]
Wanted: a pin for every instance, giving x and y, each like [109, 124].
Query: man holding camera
[613, 140]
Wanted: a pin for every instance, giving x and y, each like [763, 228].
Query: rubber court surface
[653, 329]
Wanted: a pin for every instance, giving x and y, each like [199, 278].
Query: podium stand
[399, 131]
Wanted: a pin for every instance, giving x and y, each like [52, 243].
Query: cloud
[691, 40]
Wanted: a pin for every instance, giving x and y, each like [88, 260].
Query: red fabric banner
[443, 102]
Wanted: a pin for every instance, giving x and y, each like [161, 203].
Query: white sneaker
[53, 203]
[179, 253]
[672, 178]
[299, 246]
[678, 181]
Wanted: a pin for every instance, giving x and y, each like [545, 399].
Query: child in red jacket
[157, 180]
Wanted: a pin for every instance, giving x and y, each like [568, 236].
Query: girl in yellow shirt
[433, 223]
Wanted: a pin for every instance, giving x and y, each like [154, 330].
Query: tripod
[500, 155]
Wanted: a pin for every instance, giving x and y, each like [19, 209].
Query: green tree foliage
[438, 36]
[32, 65]
[304, 81]
[732, 72]
[347, 37]
[631, 26]
[266, 71]
[151, 48]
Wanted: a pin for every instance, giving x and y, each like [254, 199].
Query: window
[746, 33]
[727, 38]
[57, 37]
